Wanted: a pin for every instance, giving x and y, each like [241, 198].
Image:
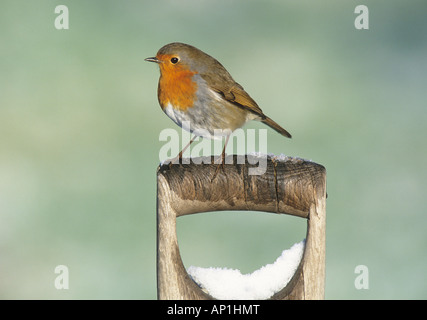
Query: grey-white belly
[211, 117]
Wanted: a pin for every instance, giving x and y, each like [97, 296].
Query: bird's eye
[174, 60]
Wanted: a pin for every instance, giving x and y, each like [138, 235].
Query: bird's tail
[269, 122]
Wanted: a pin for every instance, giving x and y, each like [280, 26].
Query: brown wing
[232, 92]
[237, 95]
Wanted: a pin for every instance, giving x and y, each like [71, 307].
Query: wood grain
[288, 186]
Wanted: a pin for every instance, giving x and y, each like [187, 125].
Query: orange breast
[176, 87]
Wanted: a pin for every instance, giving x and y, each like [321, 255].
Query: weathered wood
[289, 186]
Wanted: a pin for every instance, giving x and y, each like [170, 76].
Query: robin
[199, 95]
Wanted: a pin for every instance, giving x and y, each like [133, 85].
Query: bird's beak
[153, 59]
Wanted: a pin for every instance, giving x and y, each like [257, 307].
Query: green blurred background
[80, 122]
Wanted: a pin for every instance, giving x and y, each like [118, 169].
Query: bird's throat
[177, 88]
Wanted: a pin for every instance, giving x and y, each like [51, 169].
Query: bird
[199, 94]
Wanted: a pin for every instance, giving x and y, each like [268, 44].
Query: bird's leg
[223, 150]
[179, 156]
[222, 163]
